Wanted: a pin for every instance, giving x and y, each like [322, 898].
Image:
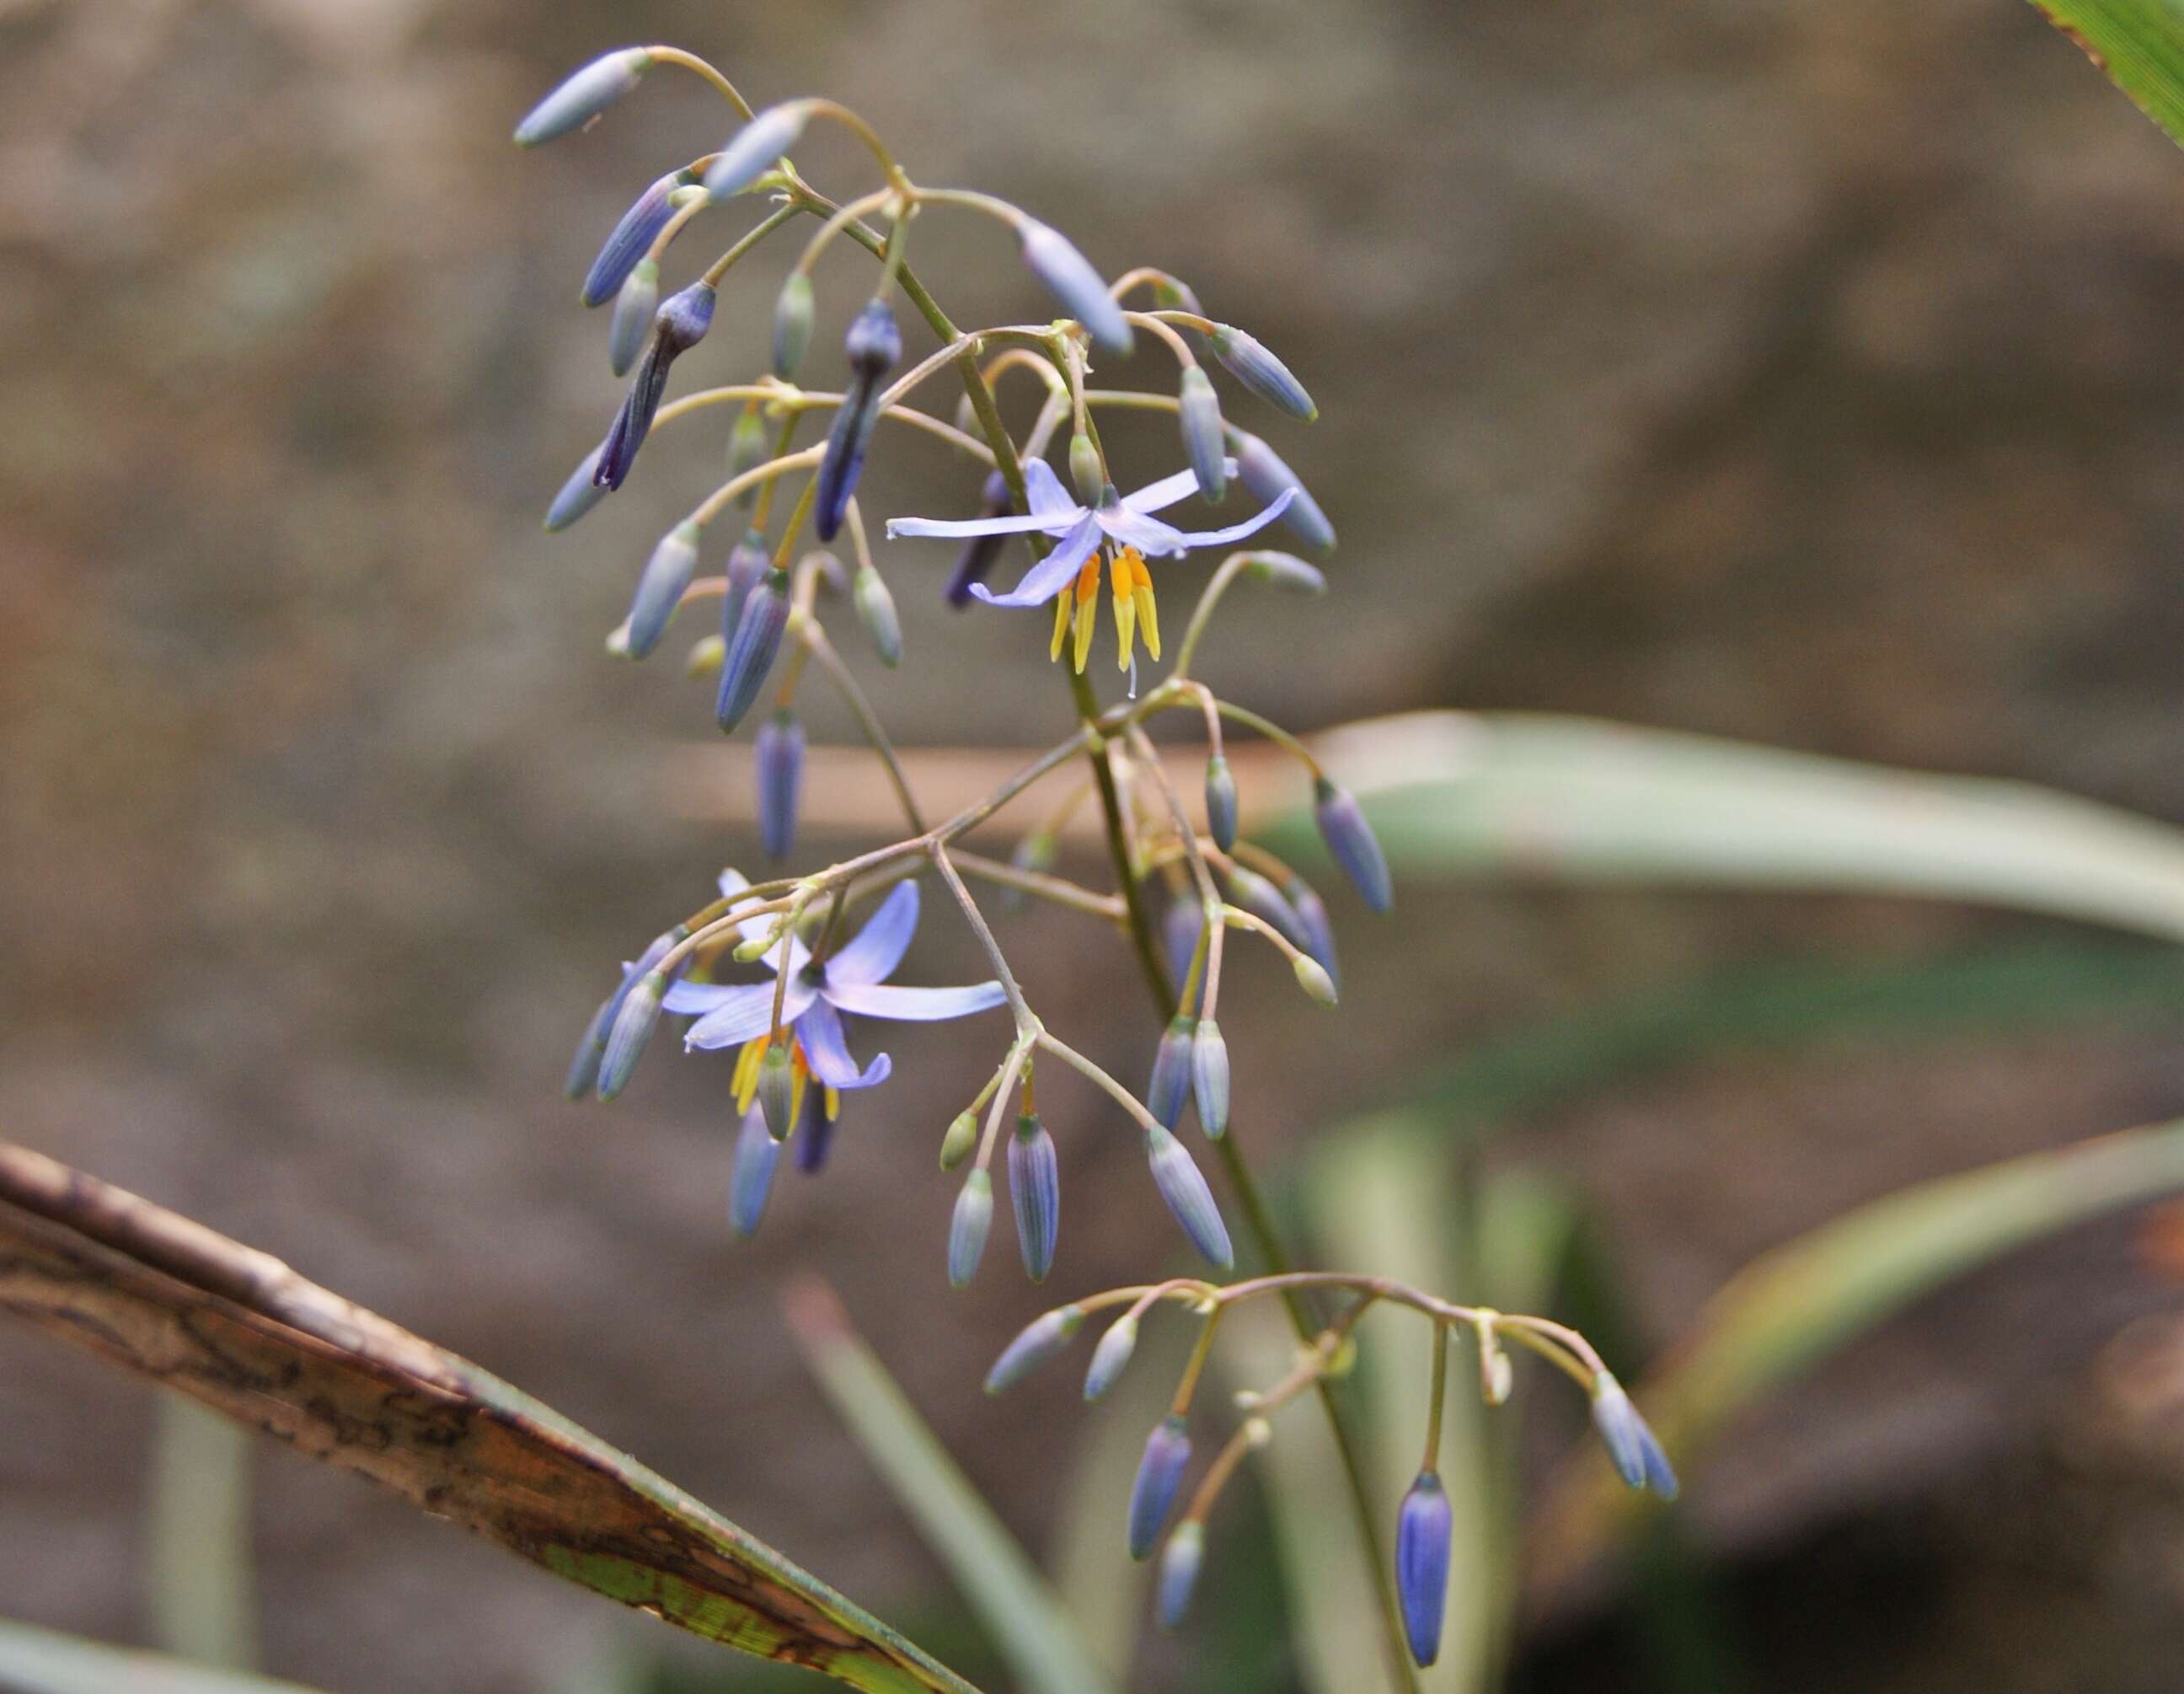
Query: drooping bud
[1313, 977]
[756, 1154]
[1171, 1080]
[1260, 372]
[780, 764]
[747, 567]
[1110, 1355]
[1180, 926]
[1262, 899]
[962, 1135]
[1179, 1572]
[578, 495]
[1284, 570]
[873, 345]
[966, 1227]
[1423, 1535]
[1262, 472]
[1183, 1186]
[678, 326]
[1035, 1191]
[792, 325]
[979, 551]
[1352, 842]
[747, 446]
[1630, 1442]
[631, 238]
[814, 1135]
[1160, 1473]
[1173, 293]
[1198, 411]
[776, 1090]
[752, 650]
[1209, 1078]
[1087, 470]
[751, 153]
[634, 306]
[633, 1024]
[583, 96]
[1070, 278]
[1318, 931]
[617, 642]
[659, 587]
[1037, 1342]
[1221, 802]
[868, 592]
[584, 1065]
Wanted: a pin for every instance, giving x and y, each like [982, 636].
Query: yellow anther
[1088, 603]
[746, 1078]
[1126, 614]
[833, 1102]
[796, 1092]
[1064, 603]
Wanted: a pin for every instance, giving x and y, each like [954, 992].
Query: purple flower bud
[780, 764]
[1260, 372]
[1423, 1528]
[1171, 1081]
[578, 495]
[1183, 1186]
[1311, 916]
[777, 1091]
[584, 1066]
[1037, 1341]
[1160, 1473]
[752, 650]
[966, 1227]
[962, 1135]
[631, 238]
[980, 551]
[1087, 470]
[1179, 1572]
[1284, 570]
[1070, 278]
[660, 588]
[747, 567]
[1264, 475]
[1198, 411]
[873, 345]
[1221, 802]
[792, 325]
[1035, 1190]
[875, 610]
[1350, 841]
[1630, 1441]
[1179, 930]
[756, 1154]
[815, 1136]
[581, 97]
[633, 1024]
[1110, 1355]
[1262, 899]
[751, 152]
[747, 449]
[1209, 1078]
[634, 305]
[679, 325]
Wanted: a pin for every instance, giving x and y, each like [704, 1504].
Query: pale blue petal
[1157, 496]
[738, 1020]
[1251, 525]
[1048, 496]
[1149, 535]
[826, 1050]
[695, 999]
[733, 882]
[880, 944]
[916, 1005]
[1052, 574]
[1009, 523]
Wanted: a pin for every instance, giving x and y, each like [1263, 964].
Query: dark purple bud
[815, 1136]
[1221, 802]
[1262, 471]
[1160, 1473]
[583, 96]
[632, 238]
[980, 551]
[1171, 1081]
[578, 495]
[659, 588]
[780, 764]
[873, 345]
[1260, 372]
[1350, 841]
[679, 325]
[1422, 1533]
[634, 306]
[1070, 278]
[1182, 1184]
[1209, 1078]
[1037, 1342]
[756, 1155]
[1035, 1191]
[751, 653]
[1179, 1572]
[1311, 916]
[1198, 411]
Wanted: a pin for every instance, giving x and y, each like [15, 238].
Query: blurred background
[1800, 374]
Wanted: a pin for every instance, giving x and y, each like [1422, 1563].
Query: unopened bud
[1351, 844]
[751, 653]
[1259, 370]
[632, 237]
[780, 765]
[792, 325]
[1182, 1185]
[583, 96]
[1318, 929]
[1199, 410]
[1221, 802]
[966, 1227]
[1422, 1536]
[1285, 570]
[1313, 977]
[1070, 278]
[635, 302]
[633, 1024]
[578, 495]
[678, 326]
[1209, 1078]
[1160, 1473]
[873, 345]
[1171, 1079]
[776, 1090]
[1086, 469]
[746, 449]
[659, 587]
[1110, 1355]
[1179, 1572]
[1036, 1343]
[756, 1154]
[1629, 1439]
[751, 153]
[705, 656]
[1035, 1192]
[1262, 471]
[875, 610]
[962, 1135]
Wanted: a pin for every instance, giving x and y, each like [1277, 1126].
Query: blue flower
[1079, 531]
[854, 980]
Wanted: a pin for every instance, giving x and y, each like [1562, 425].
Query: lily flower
[1123, 524]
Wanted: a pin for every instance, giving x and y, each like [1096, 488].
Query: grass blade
[197, 1531]
[2137, 44]
[33, 1661]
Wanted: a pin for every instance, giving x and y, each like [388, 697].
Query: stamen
[1062, 604]
[746, 1076]
[1088, 604]
[1126, 616]
[1141, 593]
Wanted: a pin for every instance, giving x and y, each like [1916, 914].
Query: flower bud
[1180, 926]
[1199, 410]
[584, 1066]
[1209, 1078]
[1350, 841]
[1318, 931]
[875, 610]
[1262, 472]
[747, 567]
[780, 763]
[746, 449]
[751, 951]
[752, 651]
[1171, 294]
[1087, 470]
[1221, 802]
[979, 551]
[1183, 1186]
[631, 238]
[659, 587]
[1035, 1191]
[1313, 977]
[1037, 1342]
[966, 1227]
[1160, 1473]
[1260, 372]
[751, 153]
[814, 1135]
[756, 1154]
[618, 643]
[705, 656]
[776, 1090]
[578, 495]
[583, 96]
[1171, 1081]
[1630, 1441]
[1423, 1535]
[1070, 278]
[1179, 1572]
[792, 325]
[633, 1024]
[1284, 570]
[678, 326]
[873, 345]
[1262, 899]
[962, 1135]
[634, 306]
[1110, 1355]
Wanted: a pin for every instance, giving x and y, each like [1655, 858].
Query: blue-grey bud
[751, 153]
[776, 1090]
[1087, 470]
[1179, 1572]
[1352, 845]
[1260, 372]
[875, 610]
[756, 1154]
[1221, 802]
[583, 96]
[1262, 899]
[1035, 1191]
[631, 238]
[967, 1225]
[678, 326]
[660, 588]
[747, 567]
[1183, 1186]
[753, 650]
[1070, 278]
[1171, 1080]
[578, 495]
[780, 763]
[634, 305]
[1629, 1439]
[1198, 411]
[1160, 1473]
[1284, 570]
[979, 551]
[632, 1027]
[1036, 1343]
[1209, 1078]
[792, 325]
[1262, 471]
[1423, 1535]
[1110, 1355]
[584, 1066]
[1319, 931]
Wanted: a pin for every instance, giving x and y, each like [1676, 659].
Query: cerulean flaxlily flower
[854, 979]
[1126, 522]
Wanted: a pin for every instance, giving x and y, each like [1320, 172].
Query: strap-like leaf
[2139, 44]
